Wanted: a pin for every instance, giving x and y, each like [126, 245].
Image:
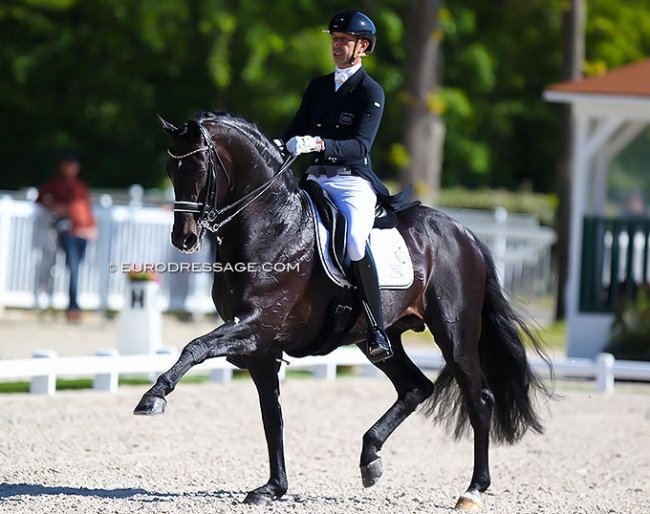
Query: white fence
[520, 246]
[32, 272]
[43, 369]
[32, 267]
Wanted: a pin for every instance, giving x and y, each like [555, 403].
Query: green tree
[89, 75]
[92, 74]
[498, 59]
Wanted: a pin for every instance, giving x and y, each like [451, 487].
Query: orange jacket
[70, 198]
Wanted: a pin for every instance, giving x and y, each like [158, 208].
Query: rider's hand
[280, 144]
[304, 144]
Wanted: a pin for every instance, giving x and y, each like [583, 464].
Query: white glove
[305, 144]
[279, 143]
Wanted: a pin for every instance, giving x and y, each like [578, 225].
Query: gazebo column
[584, 331]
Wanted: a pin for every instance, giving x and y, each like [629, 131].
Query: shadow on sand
[9, 490]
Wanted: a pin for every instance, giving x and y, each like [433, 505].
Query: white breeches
[356, 199]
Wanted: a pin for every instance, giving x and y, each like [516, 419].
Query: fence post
[107, 381]
[282, 372]
[104, 241]
[5, 224]
[165, 350]
[605, 373]
[501, 243]
[325, 371]
[44, 384]
[370, 371]
[221, 375]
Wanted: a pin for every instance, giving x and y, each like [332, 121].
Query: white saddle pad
[392, 258]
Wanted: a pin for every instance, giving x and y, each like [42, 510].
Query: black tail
[505, 370]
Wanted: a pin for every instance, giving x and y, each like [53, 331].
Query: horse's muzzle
[185, 234]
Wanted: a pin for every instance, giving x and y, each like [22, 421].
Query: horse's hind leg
[459, 344]
[412, 389]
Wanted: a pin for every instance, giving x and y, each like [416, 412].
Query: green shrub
[541, 206]
[630, 332]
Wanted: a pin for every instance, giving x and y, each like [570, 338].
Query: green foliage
[92, 76]
[499, 127]
[630, 331]
[62, 384]
[399, 156]
[555, 336]
[617, 32]
[541, 206]
[14, 387]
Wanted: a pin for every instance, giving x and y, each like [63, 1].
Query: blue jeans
[75, 249]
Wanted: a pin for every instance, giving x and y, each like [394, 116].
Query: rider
[338, 119]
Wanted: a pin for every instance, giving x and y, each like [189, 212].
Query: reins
[208, 210]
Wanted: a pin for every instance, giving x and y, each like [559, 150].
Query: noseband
[210, 216]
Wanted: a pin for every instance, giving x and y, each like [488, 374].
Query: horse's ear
[167, 127]
[194, 128]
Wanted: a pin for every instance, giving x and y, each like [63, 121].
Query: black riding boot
[379, 348]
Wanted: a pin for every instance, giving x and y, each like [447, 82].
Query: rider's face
[345, 49]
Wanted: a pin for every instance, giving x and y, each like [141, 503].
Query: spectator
[68, 198]
[635, 205]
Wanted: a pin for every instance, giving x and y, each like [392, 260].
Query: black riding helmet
[356, 23]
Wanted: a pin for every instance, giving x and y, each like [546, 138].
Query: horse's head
[220, 164]
[200, 180]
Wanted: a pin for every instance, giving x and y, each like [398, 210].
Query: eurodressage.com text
[205, 267]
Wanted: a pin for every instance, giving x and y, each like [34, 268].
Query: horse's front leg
[232, 338]
[264, 372]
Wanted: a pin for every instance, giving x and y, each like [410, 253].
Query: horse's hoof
[470, 502]
[256, 498]
[150, 406]
[371, 473]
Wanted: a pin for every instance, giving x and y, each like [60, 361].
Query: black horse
[228, 178]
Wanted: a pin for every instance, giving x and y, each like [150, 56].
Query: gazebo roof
[629, 80]
[621, 93]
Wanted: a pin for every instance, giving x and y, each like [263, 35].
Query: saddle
[337, 224]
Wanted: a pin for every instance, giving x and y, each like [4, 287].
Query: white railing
[106, 367]
[32, 269]
[521, 249]
[604, 369]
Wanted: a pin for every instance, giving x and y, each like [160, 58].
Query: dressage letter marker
[140, 327]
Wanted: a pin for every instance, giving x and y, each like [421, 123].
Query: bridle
[210, 216]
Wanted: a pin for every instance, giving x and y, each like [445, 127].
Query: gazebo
[608, 257]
